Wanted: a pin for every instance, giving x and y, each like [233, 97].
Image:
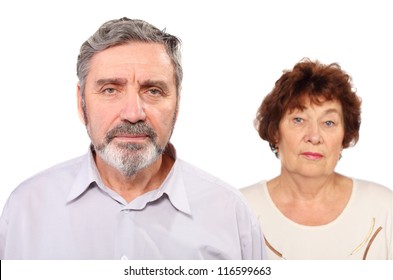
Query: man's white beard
[129, 158]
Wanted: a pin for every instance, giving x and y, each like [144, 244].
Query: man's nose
[133, 109]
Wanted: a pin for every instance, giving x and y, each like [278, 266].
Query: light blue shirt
[66, 212]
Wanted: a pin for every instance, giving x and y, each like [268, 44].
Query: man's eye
[154, 91]
[109, 91]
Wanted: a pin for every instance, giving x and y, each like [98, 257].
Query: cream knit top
[362, 231]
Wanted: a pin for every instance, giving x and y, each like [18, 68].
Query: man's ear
[177, 105]
[81, 113]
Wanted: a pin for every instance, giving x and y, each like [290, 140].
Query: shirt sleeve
[3, 231]
[258, 251]
[253, 246]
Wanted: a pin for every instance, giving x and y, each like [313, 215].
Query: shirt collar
[87, 175]
[175, 188]
[173, 185]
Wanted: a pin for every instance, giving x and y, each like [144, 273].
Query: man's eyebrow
[116, 81]
[155, 83]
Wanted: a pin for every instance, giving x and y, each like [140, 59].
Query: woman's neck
[310, 201]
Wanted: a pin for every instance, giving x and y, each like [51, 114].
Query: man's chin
[130, 147]
[129, 158]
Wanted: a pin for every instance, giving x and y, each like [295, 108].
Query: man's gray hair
[122, 31]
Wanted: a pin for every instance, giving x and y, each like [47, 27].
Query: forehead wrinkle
[331, 110]
[331, 106]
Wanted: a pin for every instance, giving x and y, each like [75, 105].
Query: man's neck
[145, 180]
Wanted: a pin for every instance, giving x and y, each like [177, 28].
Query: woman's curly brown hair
[317, 82]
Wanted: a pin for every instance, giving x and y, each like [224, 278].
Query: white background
[233, 52]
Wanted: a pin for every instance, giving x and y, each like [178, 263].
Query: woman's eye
[297, 120]
[329, 123]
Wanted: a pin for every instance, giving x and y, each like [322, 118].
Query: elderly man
[129, 197]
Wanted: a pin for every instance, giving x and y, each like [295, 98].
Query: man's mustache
[139, 128]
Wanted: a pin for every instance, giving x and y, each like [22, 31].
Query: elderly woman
[309, 211]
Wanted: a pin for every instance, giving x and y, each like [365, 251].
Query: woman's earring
[275, 151]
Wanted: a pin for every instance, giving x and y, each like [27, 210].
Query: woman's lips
[312, 155]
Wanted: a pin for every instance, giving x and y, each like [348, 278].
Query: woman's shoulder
[372, 187]
[373, 192]
[254, 188]
[258, 197]
[255, 194]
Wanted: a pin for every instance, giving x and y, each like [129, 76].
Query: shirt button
[124, 258]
